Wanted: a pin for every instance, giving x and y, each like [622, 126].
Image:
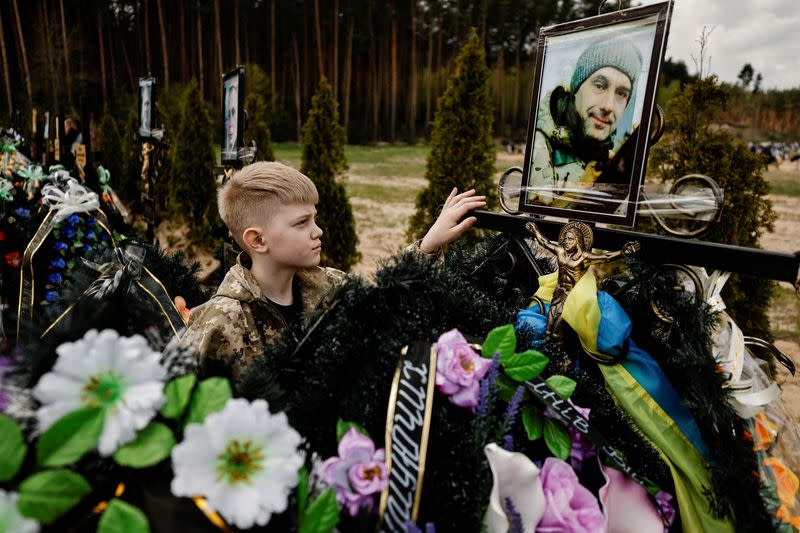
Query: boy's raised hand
[447, 227]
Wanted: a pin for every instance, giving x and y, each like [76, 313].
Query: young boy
[269, 210]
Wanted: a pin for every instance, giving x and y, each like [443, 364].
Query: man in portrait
[145, 113]
[577, 123]
[231, 117]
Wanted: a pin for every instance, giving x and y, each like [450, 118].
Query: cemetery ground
[383, 181]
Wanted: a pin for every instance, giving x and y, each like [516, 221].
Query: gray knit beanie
[619, 53]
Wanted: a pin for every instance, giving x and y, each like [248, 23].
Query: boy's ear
[253, 239]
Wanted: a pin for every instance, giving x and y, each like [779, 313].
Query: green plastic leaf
[506, 387]
[322, 515]
[563, 385]
[209, 397]
[121, 517]
[532, 419]
[502, 339]
[557, 439]
[47, 495]
[302, 493]
[152, 445]
[343, 426]
[12, 448]
[178, 393]
[524, 366]
[71, 437]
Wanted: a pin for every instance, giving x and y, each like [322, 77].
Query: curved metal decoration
[776, 353]
[700, 225]
[504, 188]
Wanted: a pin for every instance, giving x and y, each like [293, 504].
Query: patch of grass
[785, 314]
[381, 193]
[785, 182]
[785, 188]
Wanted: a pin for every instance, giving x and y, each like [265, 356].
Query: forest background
[387, 61]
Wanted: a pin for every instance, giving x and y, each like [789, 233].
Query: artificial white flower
[243, 460]
[120, 374]
[10, 519]
[517, 479]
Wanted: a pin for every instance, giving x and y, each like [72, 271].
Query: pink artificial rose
[459, 369]
[570, 507]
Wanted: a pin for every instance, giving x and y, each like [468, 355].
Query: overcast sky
[764, 33]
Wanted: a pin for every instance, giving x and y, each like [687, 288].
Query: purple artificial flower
[459, 369]
[22, 212]
[73, 219]
[514, 518]
[55, 278]
[90, 234]
[60, 246]
[570, 507]
[87, 249]
[358, 473]
[90, 221]
[663, 500]
[51, 296]
[68, 232]
[582, 448]
[57, 264]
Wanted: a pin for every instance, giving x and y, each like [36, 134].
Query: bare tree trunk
[183, 46]
[112, 60]
[412, 104]
[147, 37]
[393, 119]
[218, 38]
[5, 69]
[320, 58]
[236, 31]
[66, 53]
[501, 89]
[273, 45]
[517, 84]
[297, 103]
[199, 24]
[164, 47]
[48, 46]
[335, 73]
[429, 86]
[348, 72]
[438, 62]
[102, 50]
[128, 67]
[25, 71]
[374, 78]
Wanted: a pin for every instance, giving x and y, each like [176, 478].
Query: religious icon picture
[232, 115]
[591, 111]
[146, 100]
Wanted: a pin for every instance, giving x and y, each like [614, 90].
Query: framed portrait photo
[232, 115]
[592, 107]
[146, 103]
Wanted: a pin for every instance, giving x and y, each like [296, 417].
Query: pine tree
[324, 162]
[192, 160]
[109, 146]
[693, 146]
[462, 153]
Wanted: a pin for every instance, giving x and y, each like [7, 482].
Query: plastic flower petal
[459, 369]
[627, 505]
[357, 474]
[120, 374]
[11, 521]
[515, 479]
[571, 507]
[243, 460]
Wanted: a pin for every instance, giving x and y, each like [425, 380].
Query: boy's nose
[316, 231]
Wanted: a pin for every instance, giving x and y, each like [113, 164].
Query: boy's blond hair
[253, 193]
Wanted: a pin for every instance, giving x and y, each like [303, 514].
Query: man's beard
[586, 146]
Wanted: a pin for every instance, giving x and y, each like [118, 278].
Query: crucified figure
[574, 255]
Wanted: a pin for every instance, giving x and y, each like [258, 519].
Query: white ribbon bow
[74, 198]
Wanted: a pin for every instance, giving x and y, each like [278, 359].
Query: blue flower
[68, 232]
[22, 212]
[60, 246]
[73, 219]
[90, 234]
[57, 264]
[90, 221]
[87, 249]
[55, 278]
[51, 296]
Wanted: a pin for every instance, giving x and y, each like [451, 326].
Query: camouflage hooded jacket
[233, 327]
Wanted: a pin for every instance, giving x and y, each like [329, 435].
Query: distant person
[69, 144]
